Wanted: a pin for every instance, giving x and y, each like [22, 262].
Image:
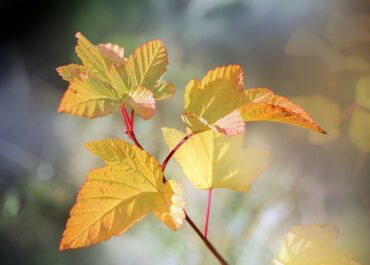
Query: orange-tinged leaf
[112, 53]
[261, 104]
[115, 197]
[312, 245]
[219, 103]
[213, 160]
[142, 102]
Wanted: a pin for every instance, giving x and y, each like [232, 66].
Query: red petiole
[208, 211]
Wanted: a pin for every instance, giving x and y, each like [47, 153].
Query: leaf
[71, 71]
[219, 103]
[212, 160]
[163, 90]
[363, 92]
[91, 58]
[141, 101]
[116, 196]
[89, 98]
[359, 128]
[107, 80]
[263, 105]
[217, 95]
[112, 53]
[312, 245]
[327, 113]
[147, 65]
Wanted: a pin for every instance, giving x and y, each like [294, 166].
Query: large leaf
[218, 102]
[312, 245]
[212, 160]
[115, 197]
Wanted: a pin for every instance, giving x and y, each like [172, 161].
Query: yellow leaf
[90, 98]
[119, 81]
[115, 197]
[71, 71]
[163, 90]
[359, 129]
[363, 92]
[219, 103]
[262, 104]
[147, 65]
[312, 245]
[212, 160]
[217, 95]
[91, 58]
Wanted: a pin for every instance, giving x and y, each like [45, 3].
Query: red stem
[132, 117]
[208, 211]
[130, 126]
[130, 132]
[173, 151]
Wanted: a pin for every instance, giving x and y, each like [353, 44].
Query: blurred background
[314, 52]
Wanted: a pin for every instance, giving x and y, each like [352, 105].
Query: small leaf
[212, 160]
[312, 245]
[115, 197]
[359, 129]
[141, 101]
[112, 53]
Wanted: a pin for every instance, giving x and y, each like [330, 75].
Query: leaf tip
[78, 35]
